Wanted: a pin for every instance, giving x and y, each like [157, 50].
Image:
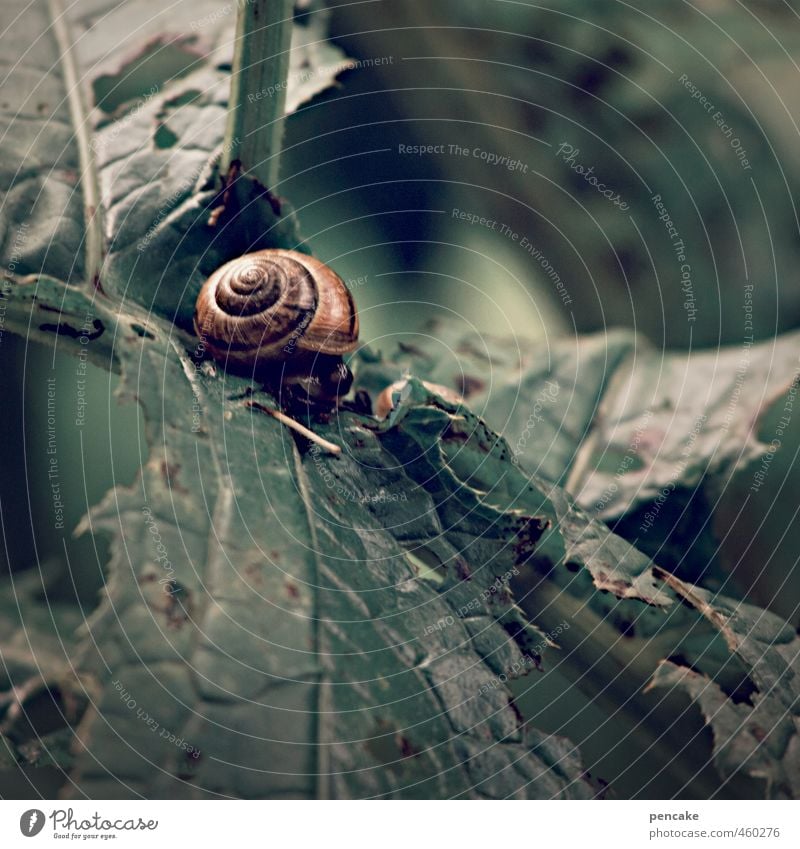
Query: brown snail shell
[270, 306]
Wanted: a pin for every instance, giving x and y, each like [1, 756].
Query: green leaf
[572, 406]
[256, 593]
[269, 631]
[647, 441]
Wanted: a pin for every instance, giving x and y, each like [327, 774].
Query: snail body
[280, 315]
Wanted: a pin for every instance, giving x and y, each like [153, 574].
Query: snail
[283, 317]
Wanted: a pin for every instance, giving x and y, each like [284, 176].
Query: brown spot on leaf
[516, 711]
[223, 197]
[623, 588]
[413, 350]
[97, 285]
[189, 764]
[407, 748]
[178, 605]
[528, 534]
[170, 474]
[463, 572]
[254, 575]
[453, 434]
[389, 746]
[468, 385]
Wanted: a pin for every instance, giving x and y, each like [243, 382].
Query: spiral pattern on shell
[271, 305]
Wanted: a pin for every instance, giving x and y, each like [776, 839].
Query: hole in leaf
[43, 711]
[164, 137]
[182, 99]
[627, 628]
[141, 331]
[427, 565]
[189, 764]
[144, 76]
[737, 686]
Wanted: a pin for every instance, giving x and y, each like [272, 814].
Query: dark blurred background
[611, 80]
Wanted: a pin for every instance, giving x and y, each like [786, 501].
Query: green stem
[258, 88]
[82, 128]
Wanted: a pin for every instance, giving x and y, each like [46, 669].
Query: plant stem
[291, 423]
[77, 107]
[258, 88]
[294, 425]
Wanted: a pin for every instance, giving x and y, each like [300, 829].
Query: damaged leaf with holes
[758, 733]
[112, 183]
[663, 448]
[315, 641]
